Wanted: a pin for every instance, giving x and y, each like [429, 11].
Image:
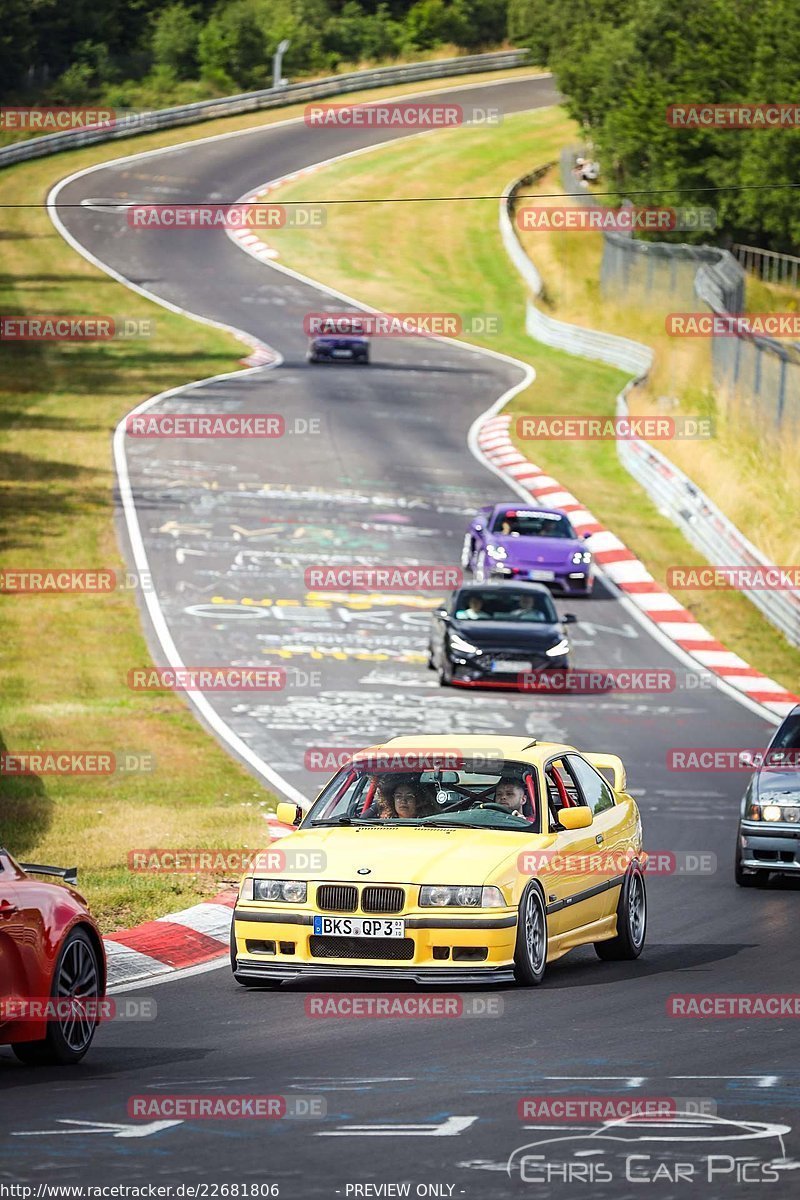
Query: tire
[530, 952]
[631, 921]
[242, 980]
[431, 664]
[744, 878]
[78, 973]
[445, 671]
[466, 553]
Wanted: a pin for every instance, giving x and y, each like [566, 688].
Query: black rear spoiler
[68, 874]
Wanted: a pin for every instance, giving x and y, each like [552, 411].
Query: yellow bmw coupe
[448, 861]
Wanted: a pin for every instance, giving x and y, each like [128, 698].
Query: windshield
[505, 604]
[500, 798]
[516, 522]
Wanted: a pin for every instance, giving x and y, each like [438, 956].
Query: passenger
[410, 801]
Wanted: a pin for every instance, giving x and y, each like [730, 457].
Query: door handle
[599, 839]
[7, 909]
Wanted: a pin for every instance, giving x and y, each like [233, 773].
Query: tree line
[620, 64]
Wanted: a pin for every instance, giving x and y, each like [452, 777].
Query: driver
[511, 794]
[473, 611]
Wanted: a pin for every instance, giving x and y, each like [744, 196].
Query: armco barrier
[206, 110]
[698, 518]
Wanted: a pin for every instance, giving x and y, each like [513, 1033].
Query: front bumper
[455, 948]
[774, 848]
[575, 582]
[478, 673]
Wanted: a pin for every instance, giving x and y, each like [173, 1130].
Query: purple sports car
[510, 541]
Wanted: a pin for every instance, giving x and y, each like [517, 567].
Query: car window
[597, 793]
[471, 795]
[562, 791]
[505, 604]
[517, 522]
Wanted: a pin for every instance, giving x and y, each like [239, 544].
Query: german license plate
[511, 666]
[542, 576]
[342, 353]
[380, 927]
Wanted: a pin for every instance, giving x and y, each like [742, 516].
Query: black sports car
[345, 341]
[493, 635]
[768, 837]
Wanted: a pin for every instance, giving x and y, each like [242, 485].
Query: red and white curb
[182, 939]
[631, 576]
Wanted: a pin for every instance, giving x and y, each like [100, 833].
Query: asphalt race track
[229, 527]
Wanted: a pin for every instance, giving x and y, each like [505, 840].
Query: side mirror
[575, 818]
[443, 613]
[477, 527]
[569, 619]
[586, 536]
[289, 814]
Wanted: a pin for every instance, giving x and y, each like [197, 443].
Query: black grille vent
[337, 897]
[383, 899]
[389, 949]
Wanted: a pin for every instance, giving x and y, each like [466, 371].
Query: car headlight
[771, 812]
[462, 646]
[581, 556]
[290, 891]
[496, 552]
[560, 648]
[460, 896]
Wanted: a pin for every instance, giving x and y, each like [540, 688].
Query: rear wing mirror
[68, 874]
[612, 763]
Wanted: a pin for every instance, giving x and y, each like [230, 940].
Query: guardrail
[694, 513]
[769, 265]
[206, 110]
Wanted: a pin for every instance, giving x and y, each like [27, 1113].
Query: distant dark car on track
[50, 950]
[768, 837]
[491, 634]
[519, 542]
[345, 341]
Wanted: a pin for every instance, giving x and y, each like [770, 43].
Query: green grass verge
[64, 659]
[447, 256]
